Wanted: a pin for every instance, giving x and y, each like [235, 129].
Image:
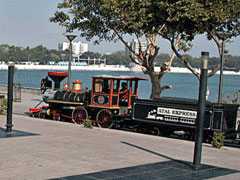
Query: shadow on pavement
[15, 133]
[168, 170]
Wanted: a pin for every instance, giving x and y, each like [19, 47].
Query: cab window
[115, 86]
[98, 86]
[134, 88]
[106, 86]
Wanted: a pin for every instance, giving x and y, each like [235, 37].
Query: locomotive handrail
[108, 107]
[101, 93]
[64, 102]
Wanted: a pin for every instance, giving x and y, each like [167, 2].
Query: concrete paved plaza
[29, 98]
[55, 150]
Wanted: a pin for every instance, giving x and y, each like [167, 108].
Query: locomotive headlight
[130, 111]
[48, 112]
[115, 111]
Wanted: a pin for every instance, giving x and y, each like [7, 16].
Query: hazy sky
[26, 23]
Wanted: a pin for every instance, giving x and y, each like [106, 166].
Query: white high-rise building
[84, 47]
[78, 48]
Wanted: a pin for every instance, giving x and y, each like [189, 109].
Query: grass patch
[88, 124]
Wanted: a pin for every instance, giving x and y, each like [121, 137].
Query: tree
[227, 24]
[179, 21]
[113, 20]
[218, 19]
[19, 54]
[90, 55]
[119, 57]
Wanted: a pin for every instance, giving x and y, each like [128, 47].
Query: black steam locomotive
[161, 116]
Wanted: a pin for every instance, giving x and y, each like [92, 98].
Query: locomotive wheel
[36, 115]
[141, 130]
[79, 115]
[104, 118]
[155, 131]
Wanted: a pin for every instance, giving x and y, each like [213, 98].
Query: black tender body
[174, 114]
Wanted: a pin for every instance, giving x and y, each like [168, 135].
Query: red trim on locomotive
[58, 74]
[98, 89]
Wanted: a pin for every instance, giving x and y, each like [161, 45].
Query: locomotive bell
[76, 87]
[65, 87]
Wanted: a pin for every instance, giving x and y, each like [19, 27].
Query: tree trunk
[156, 85]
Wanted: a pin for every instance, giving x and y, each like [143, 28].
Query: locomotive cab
[107, 95]
[107, 90]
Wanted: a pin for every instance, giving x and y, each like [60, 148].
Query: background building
[78, 48]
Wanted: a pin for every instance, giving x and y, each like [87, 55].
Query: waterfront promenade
[44, 149]
[116, 68]
[49, 149]
[29, 98]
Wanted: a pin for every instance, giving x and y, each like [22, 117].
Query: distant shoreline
[100, 67]
[64, 67]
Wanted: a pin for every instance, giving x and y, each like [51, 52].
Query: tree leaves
[113, 20]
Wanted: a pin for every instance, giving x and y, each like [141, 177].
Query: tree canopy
[179, 21]
[218, 19]
[20, 54]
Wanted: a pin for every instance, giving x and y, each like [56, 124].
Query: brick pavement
[66, 151]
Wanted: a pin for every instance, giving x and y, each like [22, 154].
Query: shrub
[218, 140]
[5, 103]
[88, 124]
[3, 107]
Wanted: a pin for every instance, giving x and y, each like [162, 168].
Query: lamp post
[201, 111]
[9, 124]
[70, 37]
[220, 85]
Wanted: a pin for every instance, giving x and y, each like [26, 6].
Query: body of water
[183, 85]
